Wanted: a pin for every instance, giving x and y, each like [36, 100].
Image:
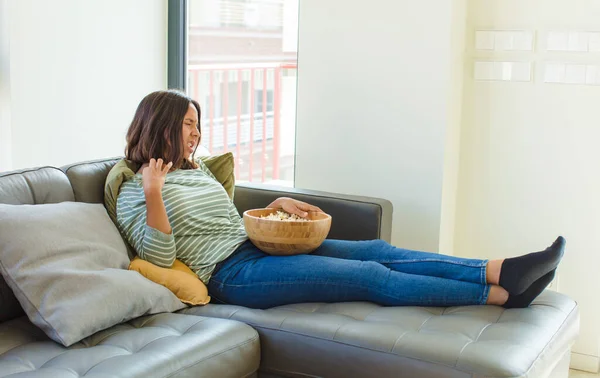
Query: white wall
[5, 128]
[78, 69]
[456, 71]
[373, 93]
[530, 157]
[379, 113]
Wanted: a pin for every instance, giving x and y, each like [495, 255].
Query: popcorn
[283, 216]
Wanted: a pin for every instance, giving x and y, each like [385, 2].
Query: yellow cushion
[180, 279]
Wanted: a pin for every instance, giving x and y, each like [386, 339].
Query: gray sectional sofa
[302, 340]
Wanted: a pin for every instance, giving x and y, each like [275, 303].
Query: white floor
[582, 374]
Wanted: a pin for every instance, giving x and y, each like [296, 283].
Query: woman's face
[190, 133]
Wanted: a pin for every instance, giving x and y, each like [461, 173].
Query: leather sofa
[303, 340]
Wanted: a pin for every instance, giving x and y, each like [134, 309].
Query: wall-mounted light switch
[573, 41]
[502, 71]
[504, 40]
[571, 73]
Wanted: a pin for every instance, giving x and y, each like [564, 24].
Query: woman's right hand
[153, 176]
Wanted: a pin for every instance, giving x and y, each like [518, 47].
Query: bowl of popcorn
[279, 233]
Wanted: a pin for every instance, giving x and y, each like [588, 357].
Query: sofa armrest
[353, 217]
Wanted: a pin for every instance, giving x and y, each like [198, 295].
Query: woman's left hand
[293, 206]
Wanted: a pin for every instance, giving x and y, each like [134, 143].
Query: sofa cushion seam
[256, 337]
[369, 349]
[380, 351]
[88, 163]
[551, 339]
[8, 174]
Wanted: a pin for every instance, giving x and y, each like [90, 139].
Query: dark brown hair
[155, 131]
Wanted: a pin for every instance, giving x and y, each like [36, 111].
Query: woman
[174, 208]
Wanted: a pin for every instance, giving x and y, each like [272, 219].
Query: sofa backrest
[87, 179]
[35, 186]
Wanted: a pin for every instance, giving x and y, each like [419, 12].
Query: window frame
[177, 44]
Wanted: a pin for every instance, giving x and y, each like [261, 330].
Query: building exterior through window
[242, 66]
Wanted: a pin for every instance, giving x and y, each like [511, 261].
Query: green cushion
[221, 167]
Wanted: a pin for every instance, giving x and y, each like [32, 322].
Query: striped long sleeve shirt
[206, 225]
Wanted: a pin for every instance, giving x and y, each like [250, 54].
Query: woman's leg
[254, 279]
[515, 274]
[407, 261]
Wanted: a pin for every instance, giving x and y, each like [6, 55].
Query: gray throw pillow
[67, 265]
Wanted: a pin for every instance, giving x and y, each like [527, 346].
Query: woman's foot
[517, 274]
[497, 296]
[525, 299]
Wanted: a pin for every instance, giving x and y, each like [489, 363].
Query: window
[241, 67]
[268, 99]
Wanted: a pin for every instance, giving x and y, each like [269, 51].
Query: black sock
[525, 299]
[518, 273]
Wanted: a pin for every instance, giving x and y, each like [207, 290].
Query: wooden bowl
[278, 237]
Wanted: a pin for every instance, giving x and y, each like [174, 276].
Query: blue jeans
[345, 271]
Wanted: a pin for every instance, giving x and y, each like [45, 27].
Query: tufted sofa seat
[163, 345]
[367, 340]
